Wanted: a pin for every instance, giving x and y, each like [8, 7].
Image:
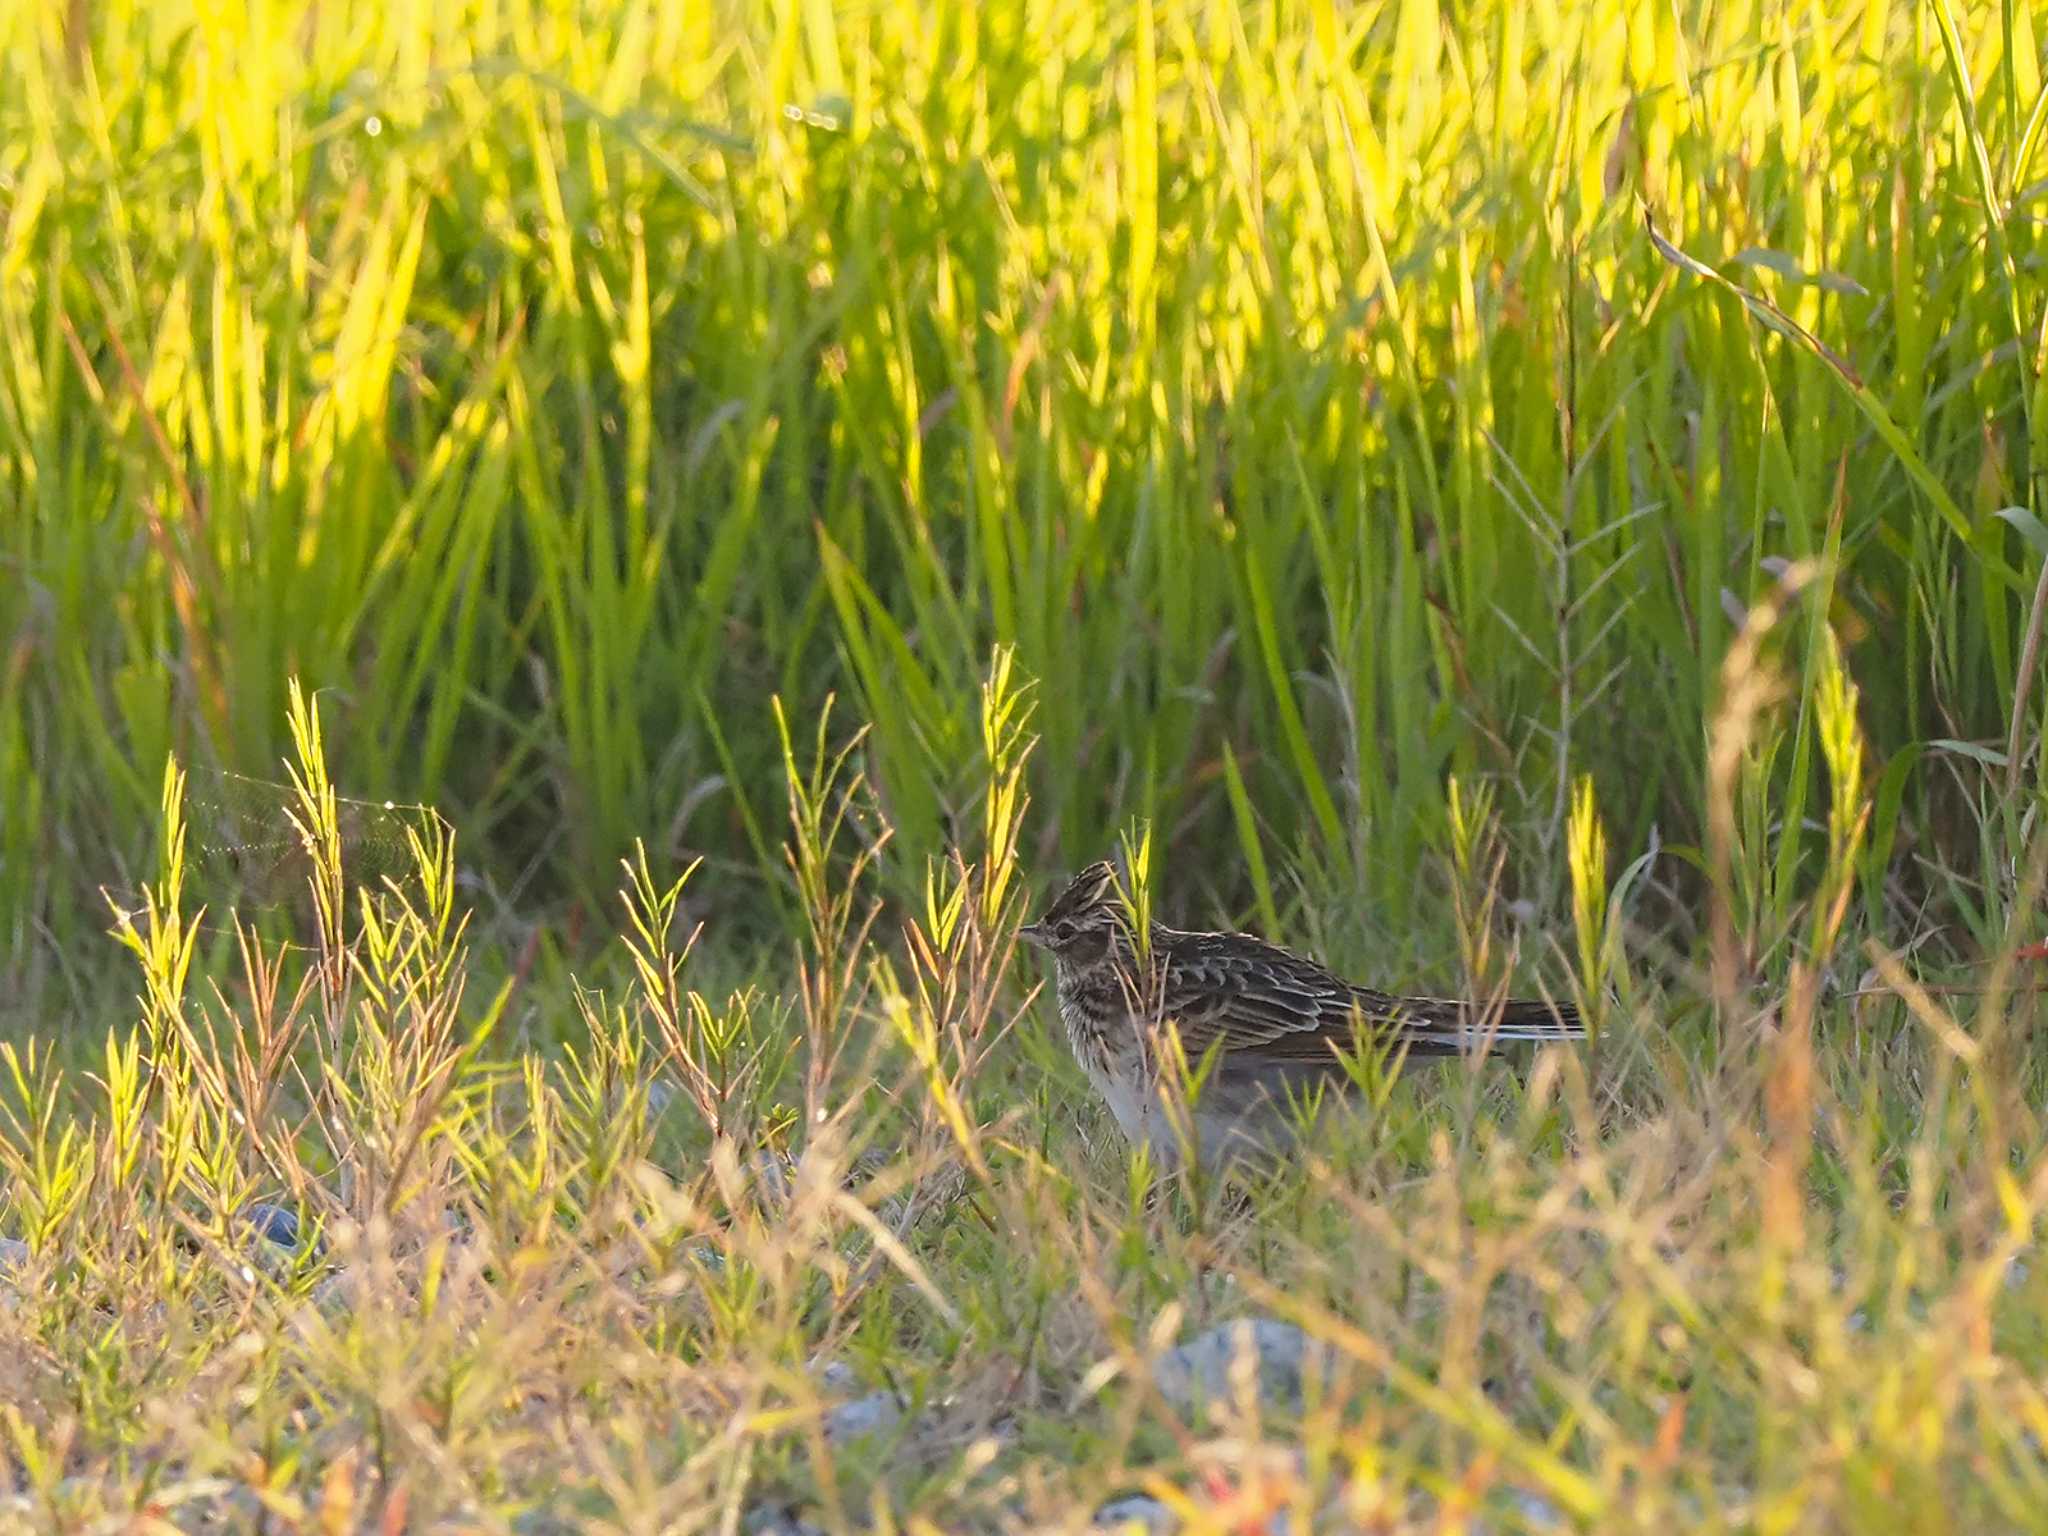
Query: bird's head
[1083, 920]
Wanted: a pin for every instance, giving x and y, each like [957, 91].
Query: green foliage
[1790, 1281]
[1377, 467]
[1299, 396]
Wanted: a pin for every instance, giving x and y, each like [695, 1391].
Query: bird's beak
[1034, 935]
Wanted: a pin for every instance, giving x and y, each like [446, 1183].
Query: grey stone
[1537, 1512]
[222, 1509]
[13, 1255]
[1147, 1514]
[1155, 1519]
[834, 1375]
[777, 1520]
[336, 1293]
[545, 1522]
[1532, 1512]
[864, 1416]
[1278, 1355]
[868, 1414]
[774, 1177]
[273, 1223]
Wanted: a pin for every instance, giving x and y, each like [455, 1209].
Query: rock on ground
[1278, 1357]
[1147, 1514]
[1152, 1518]
[776, 1520]
[273, 1223]
[864, 1416]
[835, 1375]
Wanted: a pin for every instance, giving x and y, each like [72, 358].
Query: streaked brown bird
[1277, 1021]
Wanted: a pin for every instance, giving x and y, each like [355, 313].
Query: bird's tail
[1528, 1019]
[1435, 1025]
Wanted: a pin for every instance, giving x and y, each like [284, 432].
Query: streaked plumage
[1278, 1020]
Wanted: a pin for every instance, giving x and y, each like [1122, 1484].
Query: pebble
[336, 1293]
[1532, 1513]
[863, 1416]
[836, 1375]
[273, 1222]
[231, 1509]
[1201, 1370]
[1537, 1512]
[543, 1522]
[866, 1415]
[1147, 1514]
[13, 1255]
[774, 1178]
[777, 1520]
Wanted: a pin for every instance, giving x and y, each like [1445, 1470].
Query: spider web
[244, 853]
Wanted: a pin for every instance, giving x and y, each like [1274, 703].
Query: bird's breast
[1096, 1013]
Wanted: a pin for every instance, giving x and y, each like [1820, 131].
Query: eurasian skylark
[1276, 1020]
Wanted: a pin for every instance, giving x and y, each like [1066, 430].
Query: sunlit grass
[553, 384]
[1494, 494]
[1753, 1260]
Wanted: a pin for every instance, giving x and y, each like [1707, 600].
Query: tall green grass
[1298, 388]
[1513, 493]
[1765, 1257]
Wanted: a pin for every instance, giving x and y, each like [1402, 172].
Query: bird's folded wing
[1240, 996]
[1291, 1009]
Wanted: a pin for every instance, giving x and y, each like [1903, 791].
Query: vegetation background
[1500, 490]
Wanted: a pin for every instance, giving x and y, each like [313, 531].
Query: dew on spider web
[245, 852]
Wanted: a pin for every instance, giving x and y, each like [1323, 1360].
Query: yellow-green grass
[1299, 389]
[1500, 494]
[1759, 1258]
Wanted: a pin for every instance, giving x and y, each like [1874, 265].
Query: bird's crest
[1091, 888]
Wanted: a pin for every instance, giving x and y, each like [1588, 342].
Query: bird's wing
[1235, 991]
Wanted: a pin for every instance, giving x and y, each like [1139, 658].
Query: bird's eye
[1063, 930]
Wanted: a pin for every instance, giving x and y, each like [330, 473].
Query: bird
[1278, 1022]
